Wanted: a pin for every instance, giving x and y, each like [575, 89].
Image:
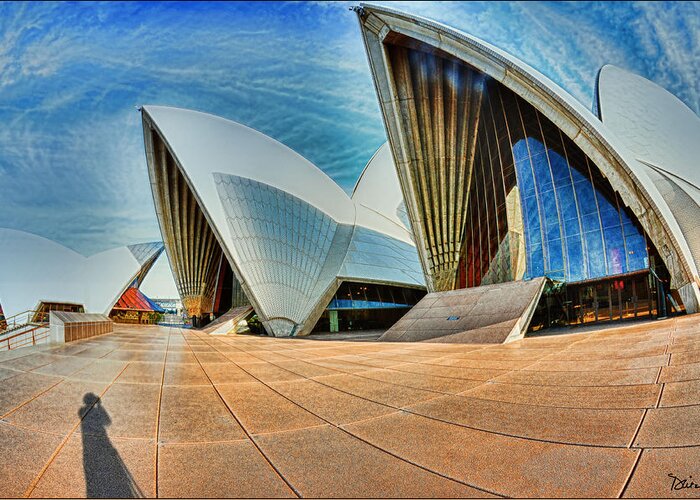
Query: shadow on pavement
[106, 475]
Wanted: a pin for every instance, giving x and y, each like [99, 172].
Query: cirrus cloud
[72, 166]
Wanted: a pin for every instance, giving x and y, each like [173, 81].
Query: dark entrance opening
[640, 295]
[223, 300]
[366, 306]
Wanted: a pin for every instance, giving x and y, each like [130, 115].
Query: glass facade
[538, 206]
[367, 306]
[631, 296]
[370, 296]
[501, 194]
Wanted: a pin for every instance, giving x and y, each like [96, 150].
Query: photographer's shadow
[106, 475]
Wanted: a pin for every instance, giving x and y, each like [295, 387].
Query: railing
[24, 329]
[25, 338]
[23, 319]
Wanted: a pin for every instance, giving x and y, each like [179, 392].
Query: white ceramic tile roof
[378, 197]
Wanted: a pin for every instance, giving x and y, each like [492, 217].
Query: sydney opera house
[507, 178]
[500, 206]
[246, 220]
[499, 179]
[40, 275]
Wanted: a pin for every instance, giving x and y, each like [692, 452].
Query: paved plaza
[150, 411]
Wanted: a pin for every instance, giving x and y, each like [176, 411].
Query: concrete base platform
[491, 314]
[150, 411]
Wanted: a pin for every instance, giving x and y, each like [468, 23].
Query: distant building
[245, 220]
[171, 306]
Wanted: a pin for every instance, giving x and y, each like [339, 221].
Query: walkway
[160, 411]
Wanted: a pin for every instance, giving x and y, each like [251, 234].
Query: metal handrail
[29, 317]
[8, 318]
[35, 336]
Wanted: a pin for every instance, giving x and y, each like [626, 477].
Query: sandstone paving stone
[261, 410]
[30, 361]
[684, 357]
[681, 393]
[181, 356]
[542, 416]
[267, 372]
[426, 382]
[65, 366]
[377, 391]
[211, 357]
[576, 353]
[101, 370]
[185, 374]
[226, 373]
[613, 428]
[22, 388]
[498, 364]
[6, 373]
[195, 414]
[91, 466]
[679, 373]
[600, 364]
[501, 464]
[666, 473]
[142, 373]
[580, 378]
[339, 365]
[24, 454]
[59, 409]
[136, 355]
[350, 468]
[673, 426]
[217, 470]
[330, 404]
[96, 351]
[125, 411]
[479, 374]
[304, 369]
[620, 396]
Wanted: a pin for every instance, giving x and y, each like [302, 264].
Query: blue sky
[72, 166]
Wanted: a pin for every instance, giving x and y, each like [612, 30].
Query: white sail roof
[35, 269]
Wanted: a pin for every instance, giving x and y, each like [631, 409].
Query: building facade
[507, 177]
[246, 220]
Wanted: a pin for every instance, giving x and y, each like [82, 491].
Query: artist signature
[681, 484]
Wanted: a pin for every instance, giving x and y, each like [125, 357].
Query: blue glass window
[586, 235]
[574, 226]
[595, 254]
[615, 250]
[576, 265]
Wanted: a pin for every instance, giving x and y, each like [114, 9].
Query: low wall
[488, 314]
[70, 326]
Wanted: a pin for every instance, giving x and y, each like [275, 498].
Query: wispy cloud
[72, 166]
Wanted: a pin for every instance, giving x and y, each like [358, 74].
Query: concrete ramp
[227, 323]
[490, 314]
